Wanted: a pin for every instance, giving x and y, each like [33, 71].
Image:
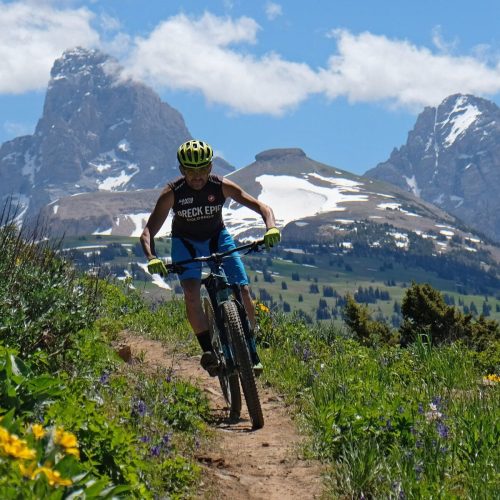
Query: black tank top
[197, 214]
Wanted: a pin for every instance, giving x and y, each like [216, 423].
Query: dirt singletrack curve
[243, 464]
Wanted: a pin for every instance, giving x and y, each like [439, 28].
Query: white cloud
[374, 68]
[214, 59]
[201, 54]
[32, 36]
[273, 10]
[213, 55]
[440, 43]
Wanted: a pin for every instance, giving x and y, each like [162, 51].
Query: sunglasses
[193, 172]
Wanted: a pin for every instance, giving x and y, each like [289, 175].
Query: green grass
[366, 272]
[416, 422]
[134, 433]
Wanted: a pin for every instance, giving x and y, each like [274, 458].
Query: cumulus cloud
[32, 36]
[273, 10]
[370, 67]
[215, 56]
[209, 54]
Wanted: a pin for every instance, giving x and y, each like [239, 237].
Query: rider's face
[196, 178]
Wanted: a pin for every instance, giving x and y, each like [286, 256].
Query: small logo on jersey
[211, 198]
[186, 201]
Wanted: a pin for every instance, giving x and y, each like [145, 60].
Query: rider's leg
[249, 306]
[199, 324]
[194, 309]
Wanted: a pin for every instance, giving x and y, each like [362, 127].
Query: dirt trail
[244, 464]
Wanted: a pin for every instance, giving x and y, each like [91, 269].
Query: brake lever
[257, 247]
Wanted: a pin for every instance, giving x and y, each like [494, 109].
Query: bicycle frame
[219, 290]
[231, 338]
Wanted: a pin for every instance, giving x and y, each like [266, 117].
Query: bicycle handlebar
[175, 267]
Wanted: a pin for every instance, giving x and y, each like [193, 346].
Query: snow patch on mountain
[308, 199]
[412, 184]
[461, 118]
[113, 183]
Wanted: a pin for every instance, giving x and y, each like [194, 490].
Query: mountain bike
[230, 333]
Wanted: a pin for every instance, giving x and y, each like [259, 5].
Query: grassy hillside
[388, 422]
[75, 420]
[420, 422]
[303, 271]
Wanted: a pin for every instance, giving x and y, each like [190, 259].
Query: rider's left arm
[238, 194]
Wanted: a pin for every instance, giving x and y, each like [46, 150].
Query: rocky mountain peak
[78, 61]
[98, 132]
[451, 158]
[279, 153]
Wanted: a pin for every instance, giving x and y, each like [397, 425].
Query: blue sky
[344, 80]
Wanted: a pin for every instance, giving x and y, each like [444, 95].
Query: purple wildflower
[166, 439]
[155, 451]
[420, 408]
[139, 408]
[443, 430]
[438, 401]
[145, 439]
[418, 470]
[306, 354]
[104, 378]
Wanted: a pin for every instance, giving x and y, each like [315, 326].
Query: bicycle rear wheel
[234, 329]
[228, 378]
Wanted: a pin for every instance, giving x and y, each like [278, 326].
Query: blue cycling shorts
[232, 264]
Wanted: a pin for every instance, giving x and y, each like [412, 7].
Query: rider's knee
[191, 290]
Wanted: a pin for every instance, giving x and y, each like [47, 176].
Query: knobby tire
[229, 382]
[234, 328]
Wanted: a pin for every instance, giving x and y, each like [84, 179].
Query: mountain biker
[196, 199]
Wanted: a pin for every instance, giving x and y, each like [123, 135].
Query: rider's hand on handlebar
[272, 237]
[157, 266]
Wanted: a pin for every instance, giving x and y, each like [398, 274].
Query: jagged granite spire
[452, 159]
[98, 132]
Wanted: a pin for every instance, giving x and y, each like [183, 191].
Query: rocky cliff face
[97, 133]
[452, 159]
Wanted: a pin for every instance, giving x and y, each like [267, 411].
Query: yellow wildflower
[27, 471]
[38, 431]
[73, 451]
[263, 307]
[4, 435]
[493, 378]
[53, 476]
[65, 439]
[16, 447]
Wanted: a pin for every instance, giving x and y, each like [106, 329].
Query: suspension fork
[241, 310]
[218, 293]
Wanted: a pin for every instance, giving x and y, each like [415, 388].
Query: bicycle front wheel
[234, 329]
[228, 377]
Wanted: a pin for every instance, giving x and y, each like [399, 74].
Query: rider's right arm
[156, 219]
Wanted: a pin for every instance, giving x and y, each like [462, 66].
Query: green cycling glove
[157, 266]
[272, 237]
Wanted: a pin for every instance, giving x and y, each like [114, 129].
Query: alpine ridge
[452, 159]
[98, 132]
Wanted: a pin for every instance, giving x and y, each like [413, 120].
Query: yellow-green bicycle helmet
[195, 154]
